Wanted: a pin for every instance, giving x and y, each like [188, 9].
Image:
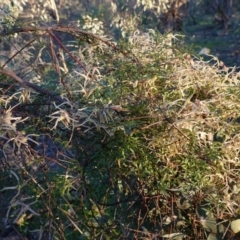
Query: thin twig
[33, 86]
[19, 51]
[70, 30]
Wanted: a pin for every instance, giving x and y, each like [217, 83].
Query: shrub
[135, 140]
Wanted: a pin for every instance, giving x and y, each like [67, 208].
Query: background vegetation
[111, 127]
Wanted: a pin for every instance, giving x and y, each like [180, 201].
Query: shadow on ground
[224, 44]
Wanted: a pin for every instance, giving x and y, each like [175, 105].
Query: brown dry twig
[31, 85]
[42, 30]
[49, 31]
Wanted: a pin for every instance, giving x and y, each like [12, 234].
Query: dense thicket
[102, 139]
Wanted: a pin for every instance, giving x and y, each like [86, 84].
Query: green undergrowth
[145, 144]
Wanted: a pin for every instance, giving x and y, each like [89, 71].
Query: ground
[207, 33]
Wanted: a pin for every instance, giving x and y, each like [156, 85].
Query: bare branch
[33, 86]
[70, 30]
